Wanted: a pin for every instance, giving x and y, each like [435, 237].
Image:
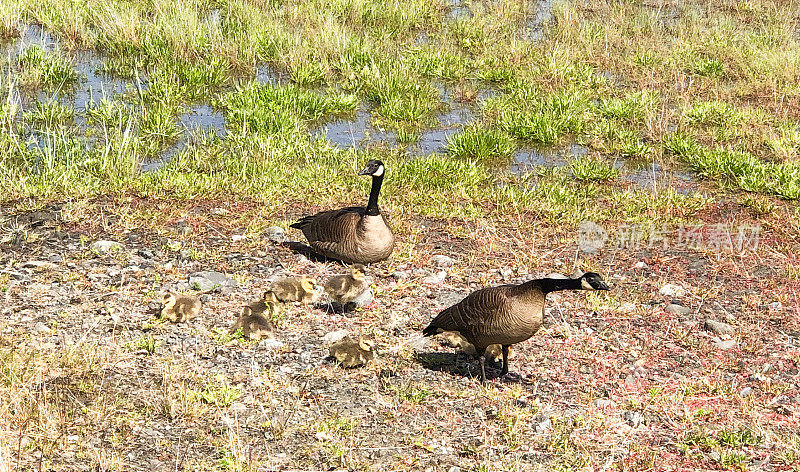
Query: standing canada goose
[294, 289]
[179, 308]
[353, 234]
[343, 289]
[505, 315]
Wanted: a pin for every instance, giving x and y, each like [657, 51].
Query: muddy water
[653, 177]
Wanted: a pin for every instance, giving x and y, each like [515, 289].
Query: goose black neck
[372, 205]
[548, 285]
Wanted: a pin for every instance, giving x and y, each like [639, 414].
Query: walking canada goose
[255, 325]
[294, 289]
[343, 289]
[179, 308]
[505, 315]
[351, 352]
[353, 234]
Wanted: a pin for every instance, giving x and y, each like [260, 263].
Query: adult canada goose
[505, 315]
[179, 308]
[294, 289]
[343, 289]
[353, 234]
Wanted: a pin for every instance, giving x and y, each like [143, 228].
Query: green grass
[593, 170]
[480, 143]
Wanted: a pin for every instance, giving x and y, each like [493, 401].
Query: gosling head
[269, 297]
[307, 285]
[593, 281]
[357, 272]
[169, 299]
[374, 168]
[246, 312]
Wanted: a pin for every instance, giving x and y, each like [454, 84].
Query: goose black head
[374, 168]
[593, 281]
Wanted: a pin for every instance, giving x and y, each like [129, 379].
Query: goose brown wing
[474, 314]
[332, 226]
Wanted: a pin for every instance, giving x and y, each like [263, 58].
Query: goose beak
[365, 171]
[603, 286]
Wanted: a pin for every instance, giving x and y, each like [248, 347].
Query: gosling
[295, 289]
[179, 308]
[345, 289]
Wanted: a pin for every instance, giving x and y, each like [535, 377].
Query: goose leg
[483, 368]
[505, 361]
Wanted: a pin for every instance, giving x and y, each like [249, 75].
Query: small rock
[776, 306]
[505, 272]
[603, 403]
[718, 327]
[42, 328]
[323, 436]
[400, 274]
[208, 280]
[640, 265]
[442, 260]
[238, 237]
[276, 234]
[56, 258]
[104, 247]
[436, 278]
[677, 309]
[270, 344]
[334, 336]
[40, 265]
[672, 290]
[746, 392]
[146, 253]
[365, 298]
[725, 345]
[633, 418]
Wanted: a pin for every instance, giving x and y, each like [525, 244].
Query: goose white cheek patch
[378, 172]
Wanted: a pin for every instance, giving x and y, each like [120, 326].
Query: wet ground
[358, 131]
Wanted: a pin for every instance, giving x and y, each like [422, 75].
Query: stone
[436, 278]
[38, 265]
[633, 418]
[640, 265]
[672, 290]
[677, 309]
[442, 260]
[41, 328]
[364, 298]
[276, 234]
[718, 327]
[746, 392]
[105, 247]
[725, 345]
[208, 280]
[603, 403]
[270, 344]
[334, 336]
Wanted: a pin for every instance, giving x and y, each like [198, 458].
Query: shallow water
[527, 159]
[655, 178]
[539, 20]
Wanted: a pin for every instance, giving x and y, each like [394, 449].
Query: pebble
[436, 278]
[746, 392]
[672, 290]
[725, 345]
[207, 280]
[603, 403]
[400, 274]
[104, 246]
[41, 265]
[334, 336]
[640, 265]
[442, 260]
[42, 328]
[677, 309]
[718, 327]
[633, 418]
[365, 298]
[276, 234]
